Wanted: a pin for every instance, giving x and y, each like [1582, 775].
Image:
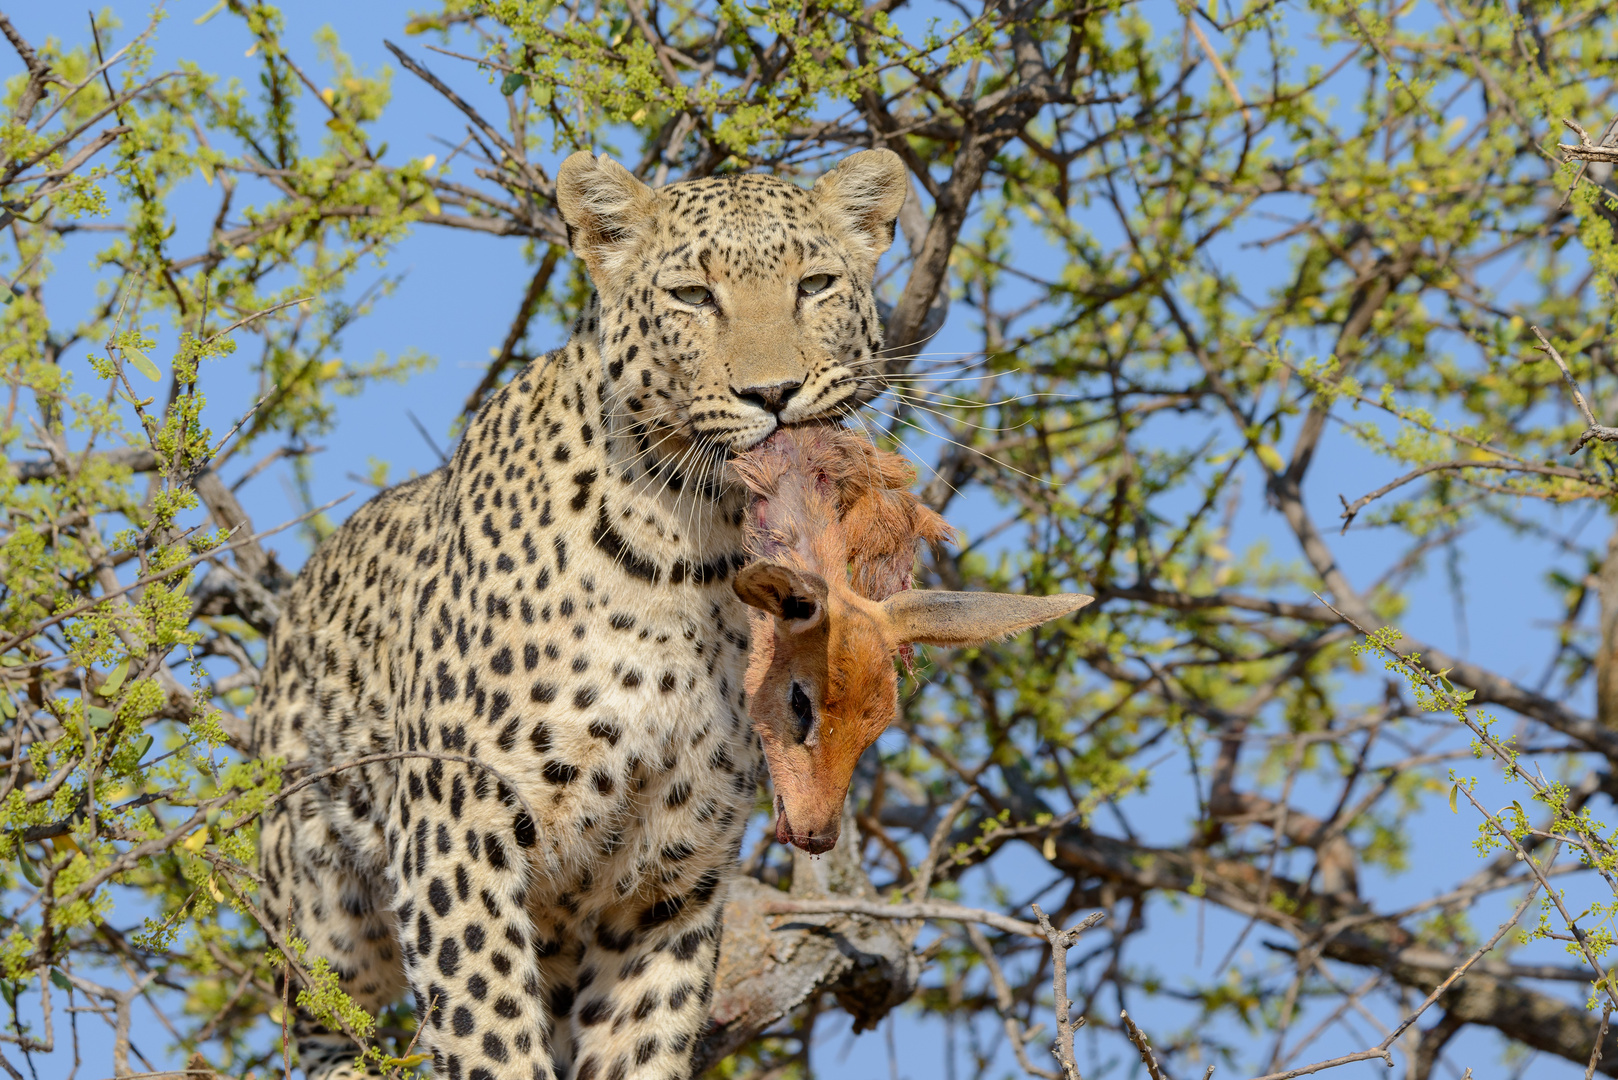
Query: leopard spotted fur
[547, 623]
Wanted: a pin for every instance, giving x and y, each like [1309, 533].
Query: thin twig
[1060, 942]
[935, 846]
[1438, 990]
[421, 429]
[1594, 430]
[1138, 1037]
[540, 182]
[373, 759]
[245, 319]
[1004, 1001]
[184, 564]
[1601, 1037]
[1321, 1066]
[1224, 72]
[1351, 509]
[286, 986]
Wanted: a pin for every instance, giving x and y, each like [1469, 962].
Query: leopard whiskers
[920, 460]
[970, 449]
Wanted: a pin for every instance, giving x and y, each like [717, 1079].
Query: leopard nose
[771, 398]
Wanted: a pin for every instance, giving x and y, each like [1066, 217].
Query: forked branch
[1586, 150]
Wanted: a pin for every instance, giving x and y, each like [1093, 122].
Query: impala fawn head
[834, 530]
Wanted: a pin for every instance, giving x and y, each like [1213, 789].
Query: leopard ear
[865, 192]
[603, 205]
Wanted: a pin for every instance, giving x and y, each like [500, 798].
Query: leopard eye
[814, 283]
[695, 295]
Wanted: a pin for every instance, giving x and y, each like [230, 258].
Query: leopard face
[731, 305]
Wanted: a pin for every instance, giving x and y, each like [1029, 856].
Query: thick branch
[768, 968]
[1351, 934]
[990, 129]
[138, 459]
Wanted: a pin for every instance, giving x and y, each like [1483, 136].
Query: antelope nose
[772, 398]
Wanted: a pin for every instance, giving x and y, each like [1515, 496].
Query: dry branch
[1586, 150]
[928, 909]
[1593, 431]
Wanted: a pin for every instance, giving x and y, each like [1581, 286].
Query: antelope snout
[813, 832]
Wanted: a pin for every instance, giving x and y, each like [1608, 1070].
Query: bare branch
[1594, 431]
[1586, 150]
[929, 909]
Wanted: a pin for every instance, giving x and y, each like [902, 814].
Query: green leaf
[8, 708]
[404, 1062]
[541, 95]
[1270, 457]
[1454, 793]
[100, 718]
[513, 82]
[114, 681]
[28, 870]
[145, 745]
[142, 363]
[57, 978]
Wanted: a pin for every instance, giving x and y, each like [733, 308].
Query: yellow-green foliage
[1119, 387]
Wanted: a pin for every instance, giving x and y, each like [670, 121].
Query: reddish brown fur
[832, 506]
[834, 531]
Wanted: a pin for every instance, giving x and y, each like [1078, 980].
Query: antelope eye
[803, 710]
[814, 283]
[695, 295]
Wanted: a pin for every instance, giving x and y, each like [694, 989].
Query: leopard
[513, 686]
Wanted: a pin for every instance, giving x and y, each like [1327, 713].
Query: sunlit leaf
[114, 680]
[142, 363]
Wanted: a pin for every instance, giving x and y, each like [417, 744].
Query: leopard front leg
[318, 888]
[458, 852]
[645, 984]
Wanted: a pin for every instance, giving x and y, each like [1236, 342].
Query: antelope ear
[865, 191]
[602, 204]
[796, 597]
[971, 618]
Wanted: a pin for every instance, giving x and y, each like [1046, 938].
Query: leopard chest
[598, 674]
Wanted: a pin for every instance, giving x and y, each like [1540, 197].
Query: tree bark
[771, 964]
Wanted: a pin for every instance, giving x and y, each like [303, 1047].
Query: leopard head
[732, 305]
